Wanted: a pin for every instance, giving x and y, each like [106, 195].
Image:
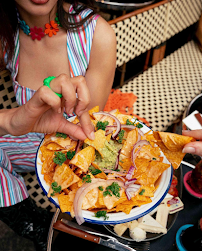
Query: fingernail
[71, 110]
[92, 136]
[189, 149]
[59, 110]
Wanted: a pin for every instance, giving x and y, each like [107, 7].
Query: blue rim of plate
[107, 222]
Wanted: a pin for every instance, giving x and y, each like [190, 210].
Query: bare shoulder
[104, 35]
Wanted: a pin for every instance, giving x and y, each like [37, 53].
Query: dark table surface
[189, 215]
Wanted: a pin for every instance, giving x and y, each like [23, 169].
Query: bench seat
[165, 90]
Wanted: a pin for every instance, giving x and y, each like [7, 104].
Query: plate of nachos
[120, 176]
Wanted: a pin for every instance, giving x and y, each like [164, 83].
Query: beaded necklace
[51, 29]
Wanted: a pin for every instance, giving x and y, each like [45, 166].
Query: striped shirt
[17, 154]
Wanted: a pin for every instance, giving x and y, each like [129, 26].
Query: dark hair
[65, 18]
[9, 22]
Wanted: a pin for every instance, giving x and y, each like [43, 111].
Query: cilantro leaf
[128, 122]
[100, 188]
[114, 189]
[120, 136]
[102, 125]
[59, 158]
[87, 179]
[142, 191]
[70, 154]
[94, 171]
[56, 188]
[139, 125]
[61, 135]
[102, 213]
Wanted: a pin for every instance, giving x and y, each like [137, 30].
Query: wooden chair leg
[155, 56]
[123, 71]
[158, 53]
[147, 60]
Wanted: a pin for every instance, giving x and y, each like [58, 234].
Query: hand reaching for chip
[43, 113]
[193, 147]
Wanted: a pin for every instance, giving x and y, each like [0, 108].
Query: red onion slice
[131, 170]
[109, 129]
[78, 199]
[129, 182]
[131, 190]
[134, 154]
[140, 134]
[132, 127]
[139, 144]
[84, 189]
[118, 124]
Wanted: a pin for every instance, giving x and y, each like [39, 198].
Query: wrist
[5, 121]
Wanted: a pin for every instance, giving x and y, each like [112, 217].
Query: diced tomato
[173, 191]
[174, 181]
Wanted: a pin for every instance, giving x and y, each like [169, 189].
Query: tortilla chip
[66, 202]
[151, 173]
[53, 147]
[123, 118]
[48, 165]
[174, 142]
[100, 199]
[64, 176]
[125, 206]
[129, 143]
[125, 163]
[99, 142]
[101, 175]
[128, 205]
[148, 191]
[94, 109]
[45, 152]
[90, 199]
[149, 152]
[171, 145]
[48, 177]
[142, 166]
[84, 158]
[59, 143]
[111, 201]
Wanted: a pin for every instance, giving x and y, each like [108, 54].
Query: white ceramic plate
[163, 183]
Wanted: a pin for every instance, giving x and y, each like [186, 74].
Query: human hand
[44, 111]
[196, 146]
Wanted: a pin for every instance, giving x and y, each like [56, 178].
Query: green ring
[47, 81]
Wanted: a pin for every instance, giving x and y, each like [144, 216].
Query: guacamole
[110, 153]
